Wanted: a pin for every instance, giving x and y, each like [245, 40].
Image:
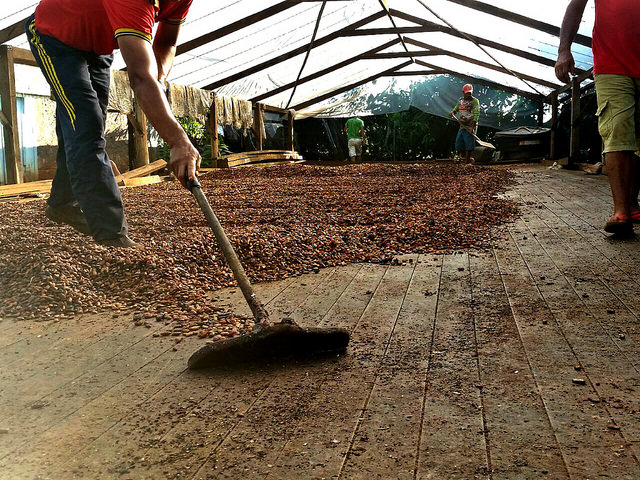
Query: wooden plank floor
[521, 362]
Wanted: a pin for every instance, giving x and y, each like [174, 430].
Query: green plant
[200, 138]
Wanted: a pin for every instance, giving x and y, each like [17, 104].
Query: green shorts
[618, 112]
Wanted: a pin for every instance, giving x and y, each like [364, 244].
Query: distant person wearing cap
[73, 43]
[354, 128]
[616, 68]
[468, 110]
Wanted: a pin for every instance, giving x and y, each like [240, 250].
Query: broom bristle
[274, 341]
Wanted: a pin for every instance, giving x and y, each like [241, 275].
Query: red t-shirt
[616, 37]
[94, 25]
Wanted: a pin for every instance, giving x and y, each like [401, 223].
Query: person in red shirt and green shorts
[468, 110]
[616, 68]
[354, 128]
[73, 43]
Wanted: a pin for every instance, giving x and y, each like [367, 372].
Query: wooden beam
[43, 186]
[292, 53]
[540, 114]
[270, 164]
[363, 32]
[480, 63]
[320, 98]
[4, 120]
[271, 108]
[24, 57]
[574, 145]
[520, 19]
[235, 26]
[257, 153]
[488, 83]
[285, 156]
[292, 114]
[127, 178]
[554, 126]
[583, 89]
[141, 171]
[320, 73]
[213, 127]
[422, 53]
[13, 162]
[581, 78]
[258, 124]
[385, 7]
[13, 31]
[549, 62]
[138, 141]
[414, 73]
[140, 181]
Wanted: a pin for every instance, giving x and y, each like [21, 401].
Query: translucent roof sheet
[244, 62]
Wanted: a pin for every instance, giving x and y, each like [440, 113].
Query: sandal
[635, 217]
[616, 227]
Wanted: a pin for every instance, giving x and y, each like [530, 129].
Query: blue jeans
[464, 141]
[80, 84]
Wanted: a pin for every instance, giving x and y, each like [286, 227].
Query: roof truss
[434, 27]
[521, 19]
[422, 25]
[351, 86]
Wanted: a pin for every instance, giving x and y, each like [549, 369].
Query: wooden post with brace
[9, 116]
[554, 126]
[138, 140]
[292, 114]
[574, 146]
[213, 126]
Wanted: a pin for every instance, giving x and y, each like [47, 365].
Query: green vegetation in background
[412, 123]
[408, 135]
[200, 138]
[437, 95]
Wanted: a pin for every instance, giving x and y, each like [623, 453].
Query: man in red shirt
[73, 43]
[616, 68]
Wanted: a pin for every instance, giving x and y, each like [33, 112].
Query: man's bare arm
[570, 24]
[143, 76]
[164, 48]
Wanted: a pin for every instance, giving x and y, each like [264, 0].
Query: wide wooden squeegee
[267, 340]
[473, 134]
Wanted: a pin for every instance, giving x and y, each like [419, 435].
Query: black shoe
[70, 215]
[120, 242]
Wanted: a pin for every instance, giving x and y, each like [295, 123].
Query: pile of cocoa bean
[283, 221]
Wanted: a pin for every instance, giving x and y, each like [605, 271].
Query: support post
[554, 126]
[258, 124]
[13, 161]
[574, 146]
[138, 141]
[292, 114]
[540, 114]
[213, 125]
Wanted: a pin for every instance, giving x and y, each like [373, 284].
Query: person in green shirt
[468, 110]
[354, 128]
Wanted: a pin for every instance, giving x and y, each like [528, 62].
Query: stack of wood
[132, 178]
[262, 158]
[140, 176]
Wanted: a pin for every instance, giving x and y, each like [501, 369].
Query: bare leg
[635, 176]
[621, 172]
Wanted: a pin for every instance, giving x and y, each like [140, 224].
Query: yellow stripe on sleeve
[173, 21]
[122, 32]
